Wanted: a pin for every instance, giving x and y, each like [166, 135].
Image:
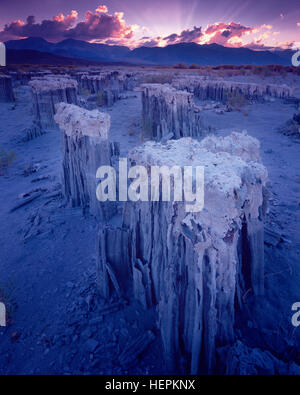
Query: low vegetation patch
[292, 127]
[236, 101]
[180, 65]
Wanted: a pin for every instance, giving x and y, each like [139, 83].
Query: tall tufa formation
[169, 113]
[221, 90]
[6, 89]
[107, 85]
[47, 92]
[86, 147]
[193, 266]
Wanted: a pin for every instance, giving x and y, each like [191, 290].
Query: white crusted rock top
[75, 120]
[52, 82]
[237, 144]
[228, 179]
[224, 168]
[85, 147]
[167, 91]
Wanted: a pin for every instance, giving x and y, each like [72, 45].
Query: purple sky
[253, 23]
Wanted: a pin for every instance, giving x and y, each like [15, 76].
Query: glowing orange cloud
[102, 9]
[68, 19]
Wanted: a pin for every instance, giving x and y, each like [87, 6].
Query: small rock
[91, 345]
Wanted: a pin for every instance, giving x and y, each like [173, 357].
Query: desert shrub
[225, 67]
[277, 68]
[236, 101]
[6, 159]
[261, 71]
[292, 127]
[267, 72]
[180, 65]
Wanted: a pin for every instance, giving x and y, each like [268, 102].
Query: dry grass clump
[236, 101]
[292, 127]
[228, 70]
[180, 65]
[271, 70]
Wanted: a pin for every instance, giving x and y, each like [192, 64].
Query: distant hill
[31, 57]
[27, 56]
[212, 54]
[72, 49]
[189, 53]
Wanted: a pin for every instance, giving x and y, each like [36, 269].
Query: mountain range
[189, 53]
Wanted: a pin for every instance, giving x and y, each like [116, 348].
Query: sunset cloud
[68, 19]
[101, 26]
[50, 29]
[228, 34]
[186, 36]
[96, 26]
[258, 45]
[102, 9]
[219, 33]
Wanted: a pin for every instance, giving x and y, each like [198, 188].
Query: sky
[255, 24]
